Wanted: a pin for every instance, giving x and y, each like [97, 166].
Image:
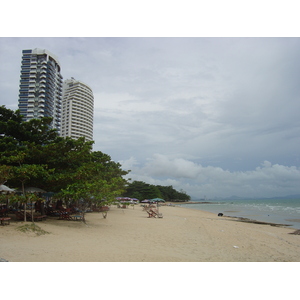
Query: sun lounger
[77, 217]
[19, 215]
[35, 217]
[3, 212]
[153, 213]
[65, 215]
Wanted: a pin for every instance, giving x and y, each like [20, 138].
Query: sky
[214, 117]
[203, 99]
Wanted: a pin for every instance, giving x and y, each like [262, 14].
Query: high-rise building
[77, 110]
[40, 91]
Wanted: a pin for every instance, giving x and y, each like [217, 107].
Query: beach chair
[153, 213]
[3, 212]
[77, 217]
[19, 215]
[35, 217]
[5, 221]
[65, 215]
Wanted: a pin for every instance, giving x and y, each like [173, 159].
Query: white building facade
[40, 92]
[77, 110]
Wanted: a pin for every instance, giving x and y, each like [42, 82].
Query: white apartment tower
[40, 91]
[77, 110]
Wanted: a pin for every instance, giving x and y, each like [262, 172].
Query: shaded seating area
[69, 217]
[52, 211]
[103, 209]
[3, 212]
[121, 205]
[35, 217]
[5, 221]
[68, 214]
[29, 216]
[65, 214]
[77, 217]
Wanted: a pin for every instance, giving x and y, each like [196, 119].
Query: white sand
[127, 235]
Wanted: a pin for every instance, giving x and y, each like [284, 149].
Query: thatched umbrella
[5, 189]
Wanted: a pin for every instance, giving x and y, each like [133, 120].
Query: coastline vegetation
[142, 190]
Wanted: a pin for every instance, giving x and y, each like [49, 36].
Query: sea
[277, 211]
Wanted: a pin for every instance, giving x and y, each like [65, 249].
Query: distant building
[77, 110]
[40, 93]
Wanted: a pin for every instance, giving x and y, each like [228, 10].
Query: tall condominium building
[40, 92]
[77, 110]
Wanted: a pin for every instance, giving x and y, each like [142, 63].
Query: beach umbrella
[123, 198]
[31, 190]
[158, 200]
[4, 188]
[34, 190]
[145, 201]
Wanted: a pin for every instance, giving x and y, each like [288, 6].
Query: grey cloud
[266, 180]
[225, 104]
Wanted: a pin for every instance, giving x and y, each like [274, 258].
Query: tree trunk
[23, 191]
[32, 212]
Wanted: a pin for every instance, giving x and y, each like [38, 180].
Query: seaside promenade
[128, 235]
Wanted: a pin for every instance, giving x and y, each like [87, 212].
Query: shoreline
[261, 219]
[128, 235]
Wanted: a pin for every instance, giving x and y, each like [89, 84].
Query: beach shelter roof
[123, 198]
[31, 189]
[145, 201]
[4, 188]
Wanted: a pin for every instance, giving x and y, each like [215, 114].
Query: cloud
[191, 111]
[266, 180]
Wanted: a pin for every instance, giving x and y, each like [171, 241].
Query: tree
[145, 190]
[142, 190]
[5, 173]
[37, 156]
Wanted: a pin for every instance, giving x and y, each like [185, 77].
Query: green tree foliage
[5, 173]
[142, 190]
[16, 134]
[33, 154]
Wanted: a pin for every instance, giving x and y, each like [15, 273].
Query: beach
[128, 235]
